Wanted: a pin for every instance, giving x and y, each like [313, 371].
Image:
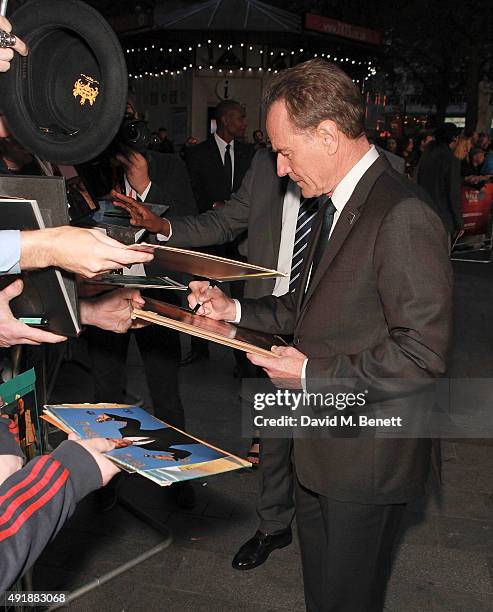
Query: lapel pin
[351, 217]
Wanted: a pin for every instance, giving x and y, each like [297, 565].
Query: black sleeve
[171, 185]
[36, 501]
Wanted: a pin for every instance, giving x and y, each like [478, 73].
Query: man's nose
[283, 167]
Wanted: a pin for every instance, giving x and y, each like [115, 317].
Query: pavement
[444, 558]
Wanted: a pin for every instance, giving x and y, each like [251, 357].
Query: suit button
[296, 340]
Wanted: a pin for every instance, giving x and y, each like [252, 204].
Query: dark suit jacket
[170, 183]
[256, 207]
[379, 306]
[207, 174]
[438, 173]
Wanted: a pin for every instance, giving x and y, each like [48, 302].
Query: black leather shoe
[256, 551]
[194, 356]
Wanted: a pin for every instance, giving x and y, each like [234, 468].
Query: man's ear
[328, 133]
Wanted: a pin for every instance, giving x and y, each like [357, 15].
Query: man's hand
[6, 55]
[98, 446]
[214, 303]
[112, 311]
[136, 170]
[285, 369]
[88, 252]
[14, 332]
[141, 215]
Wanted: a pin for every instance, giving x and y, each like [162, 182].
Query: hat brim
[35, 21]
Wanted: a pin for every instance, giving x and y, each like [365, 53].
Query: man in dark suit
[216, 167]
[438, 173]
[373, 307]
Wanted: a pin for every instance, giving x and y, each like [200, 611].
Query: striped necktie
[306, 216]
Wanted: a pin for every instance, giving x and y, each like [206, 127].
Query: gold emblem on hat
[85, 87]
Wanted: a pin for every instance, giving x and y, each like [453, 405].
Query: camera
[133, 134]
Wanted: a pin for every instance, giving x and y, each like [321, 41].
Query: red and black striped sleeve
[36, 501]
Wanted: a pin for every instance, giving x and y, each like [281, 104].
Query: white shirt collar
[222, 143]
[345, 188]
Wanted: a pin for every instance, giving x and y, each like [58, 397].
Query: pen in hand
[195, 309]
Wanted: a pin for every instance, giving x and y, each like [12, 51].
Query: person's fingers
[98, 445]
[41, 336]
[126, 257]
[7, 54]
[13, 290]
[122, 197]
[20, 46]
[4, 66]
[123, 160]
[5, 24]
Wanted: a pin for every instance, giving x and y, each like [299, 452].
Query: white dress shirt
[221, 145]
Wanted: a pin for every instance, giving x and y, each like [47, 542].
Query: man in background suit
[374, 303]
[216, 167]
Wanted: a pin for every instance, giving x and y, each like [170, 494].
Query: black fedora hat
[65, 101]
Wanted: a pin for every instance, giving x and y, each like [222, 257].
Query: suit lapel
[217, 161]
[347, 221]
[276, 204]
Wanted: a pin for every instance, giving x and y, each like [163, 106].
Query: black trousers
[160, 351]
[346, 551]
[275, 501]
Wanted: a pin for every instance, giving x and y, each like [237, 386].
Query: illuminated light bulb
[209, 42]
[249, 70]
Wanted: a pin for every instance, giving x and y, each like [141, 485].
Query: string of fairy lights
[163, 52]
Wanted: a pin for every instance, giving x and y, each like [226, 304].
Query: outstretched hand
[140, 215]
